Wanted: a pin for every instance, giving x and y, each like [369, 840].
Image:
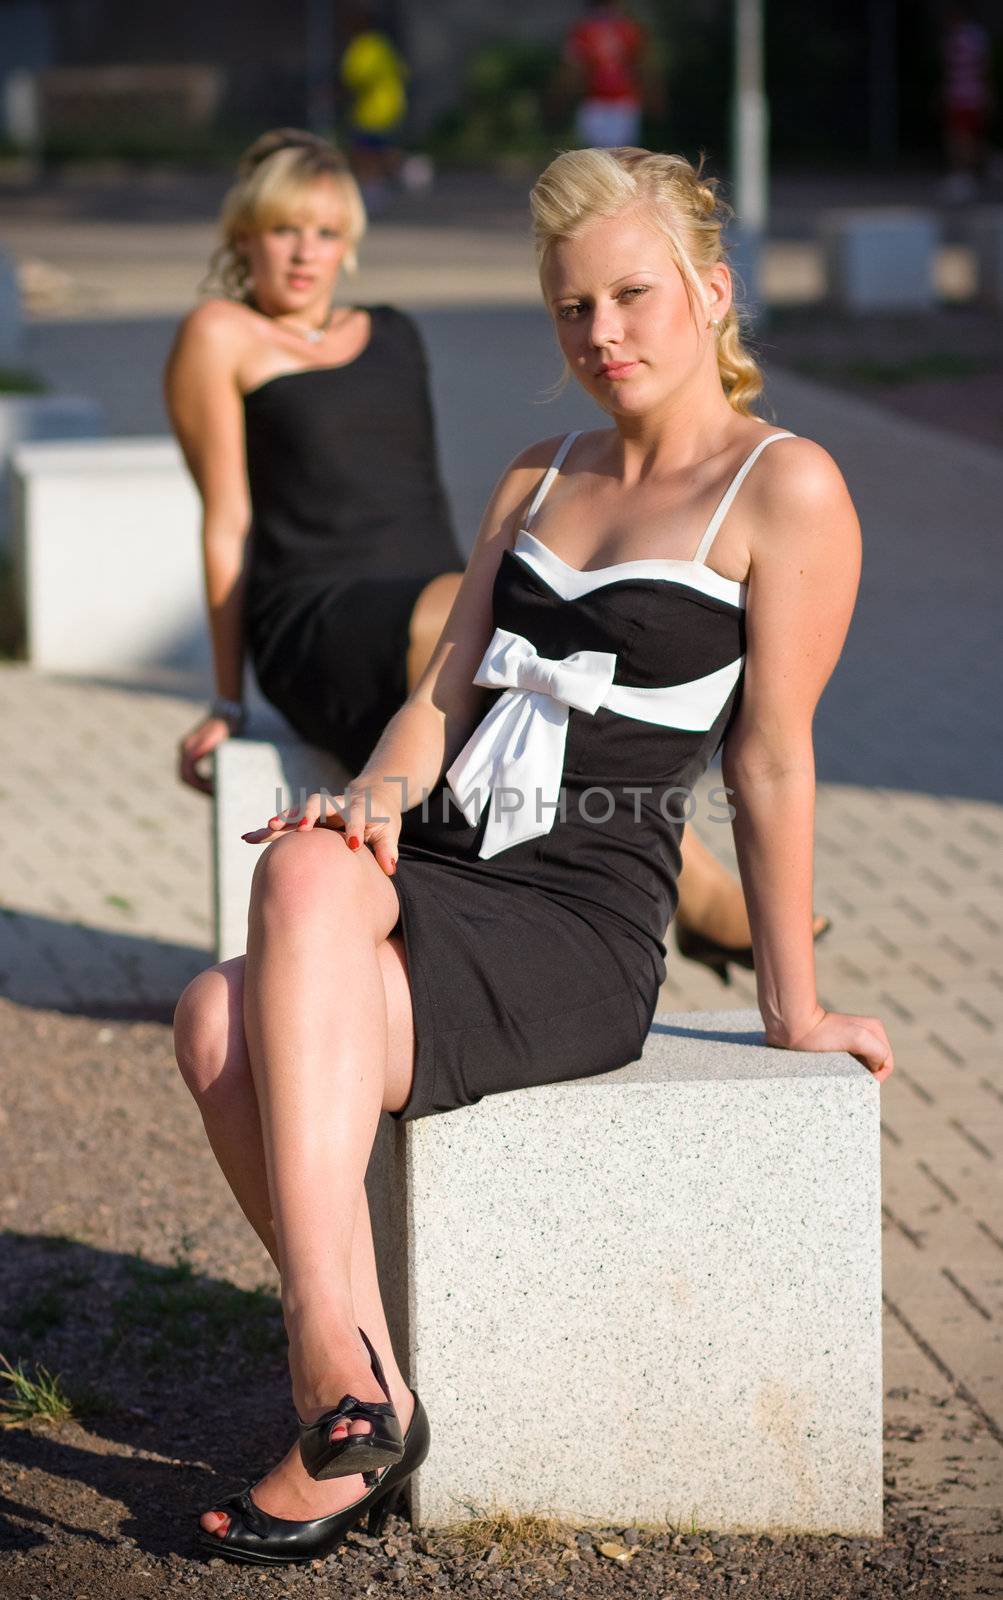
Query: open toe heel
[258, 1539]
[324, 1457]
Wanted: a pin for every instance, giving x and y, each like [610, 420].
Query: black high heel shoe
[698, 947]
[324, 1457]
[259, 1539]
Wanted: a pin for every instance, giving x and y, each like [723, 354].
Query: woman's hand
[864, 1038]
[367, 812]
[198, 744]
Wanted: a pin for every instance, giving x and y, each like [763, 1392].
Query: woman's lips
[617, 369]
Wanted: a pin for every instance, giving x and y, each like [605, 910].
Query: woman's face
[622, 315]
[294, 263]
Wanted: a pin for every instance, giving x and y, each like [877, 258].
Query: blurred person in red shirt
[967, 100]
[607, 62]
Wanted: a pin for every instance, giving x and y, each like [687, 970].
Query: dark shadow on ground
[157, 1359]
[92, 972]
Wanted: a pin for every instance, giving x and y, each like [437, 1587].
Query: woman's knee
[203, 1030]
[301, 873]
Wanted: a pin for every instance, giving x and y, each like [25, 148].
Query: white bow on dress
[514, 760]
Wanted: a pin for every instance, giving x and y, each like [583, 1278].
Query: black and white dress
[537, 879]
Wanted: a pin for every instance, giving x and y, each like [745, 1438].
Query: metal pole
[320, 66]
[883, 84]
[750, 141]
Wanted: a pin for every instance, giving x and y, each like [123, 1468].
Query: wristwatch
[231, 711]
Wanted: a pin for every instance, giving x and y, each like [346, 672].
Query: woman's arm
[206, 412]
[804, 572]
[421, 740]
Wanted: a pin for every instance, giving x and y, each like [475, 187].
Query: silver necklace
[315, 335]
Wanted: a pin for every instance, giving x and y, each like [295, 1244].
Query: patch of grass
[12, 629]
[501, 1538]
[30, 1396]
[119, 902]
[56, 1241]
[170, 1311]
[39, 1315]
[511, 1535]
[893, 374]
[17, 380]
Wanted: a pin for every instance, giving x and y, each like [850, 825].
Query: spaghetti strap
[703, 548]
[550, 475]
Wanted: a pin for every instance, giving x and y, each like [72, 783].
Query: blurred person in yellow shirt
[373, 72]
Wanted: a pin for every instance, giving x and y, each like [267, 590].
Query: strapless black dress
[536, 881]
[349, 523]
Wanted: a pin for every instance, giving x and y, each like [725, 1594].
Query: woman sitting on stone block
[310, 428]
[483, 908]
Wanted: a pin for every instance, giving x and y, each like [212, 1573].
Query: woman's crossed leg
[291, 1052]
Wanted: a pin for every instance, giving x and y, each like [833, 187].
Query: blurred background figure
[967, 101]
[373, 73]
[607, 66]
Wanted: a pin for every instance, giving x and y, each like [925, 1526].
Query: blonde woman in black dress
[611, 630]
[329, 553]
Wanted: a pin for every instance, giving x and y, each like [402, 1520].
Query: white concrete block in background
[880, 259]
[254, 777]
[27, 418]
[106, 545]
[655, 1294]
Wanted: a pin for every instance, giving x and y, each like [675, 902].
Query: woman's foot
[288, 1491]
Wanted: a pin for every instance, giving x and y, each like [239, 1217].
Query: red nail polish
[273, 819]
[353, 844]
[304, 823]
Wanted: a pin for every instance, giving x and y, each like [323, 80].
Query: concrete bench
[30, 418]
[254, 777]
[985, 235]
[106, 549]
[879, 259]
[652, 1295]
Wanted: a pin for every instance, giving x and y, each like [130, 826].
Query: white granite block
[108, 554]
[656, 1294]
[253, 779]
[30, 418]
[880, 258]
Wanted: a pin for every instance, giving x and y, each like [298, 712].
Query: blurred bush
[506, 109]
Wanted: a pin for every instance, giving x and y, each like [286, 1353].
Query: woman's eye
[568, 313]
[330, 233]
[635, 289]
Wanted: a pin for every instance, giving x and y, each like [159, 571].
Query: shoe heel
[381, 1510]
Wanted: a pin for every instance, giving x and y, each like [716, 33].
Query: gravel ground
[128, 1271]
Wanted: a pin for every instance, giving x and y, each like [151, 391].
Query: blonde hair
[580, 185]
[274, 176]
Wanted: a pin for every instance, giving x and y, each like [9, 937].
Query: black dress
[349, 523]
[537, 879]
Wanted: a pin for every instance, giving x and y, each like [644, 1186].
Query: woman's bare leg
[711, 900]
[428, 619]
[213, 1055]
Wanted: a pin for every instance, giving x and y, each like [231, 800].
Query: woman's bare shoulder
[799, 472]
[521, 478]
[216, 325]
[798, 500]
